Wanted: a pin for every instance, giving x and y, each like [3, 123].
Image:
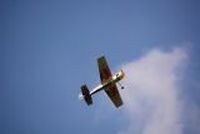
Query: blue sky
[49, 48]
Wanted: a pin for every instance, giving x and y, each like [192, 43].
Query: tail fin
[86, 95]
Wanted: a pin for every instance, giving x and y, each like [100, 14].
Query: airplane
[108, 84]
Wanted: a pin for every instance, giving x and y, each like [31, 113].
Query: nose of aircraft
[122, 74]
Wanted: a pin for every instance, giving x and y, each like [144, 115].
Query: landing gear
[122, 87]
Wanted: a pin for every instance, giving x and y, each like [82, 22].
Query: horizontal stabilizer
[86, 94]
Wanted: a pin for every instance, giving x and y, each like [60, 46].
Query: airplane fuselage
[114, 79]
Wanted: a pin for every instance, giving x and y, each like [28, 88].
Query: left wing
[114, 95]
[105, 74]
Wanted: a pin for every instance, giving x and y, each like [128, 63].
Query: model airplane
[108, 84]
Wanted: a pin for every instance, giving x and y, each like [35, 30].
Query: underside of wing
[104, 70]
[114, 95]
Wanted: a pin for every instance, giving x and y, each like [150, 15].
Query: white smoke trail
[151, 98]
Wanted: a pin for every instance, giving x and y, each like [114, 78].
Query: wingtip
[101, 57]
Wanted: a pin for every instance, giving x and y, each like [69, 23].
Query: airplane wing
[104, 71]
[105, 74]
[114, 95]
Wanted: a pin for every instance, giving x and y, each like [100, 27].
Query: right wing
[104, 70]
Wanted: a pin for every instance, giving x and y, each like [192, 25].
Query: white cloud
[151, 95]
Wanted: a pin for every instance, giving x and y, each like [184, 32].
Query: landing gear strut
[122, 87]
